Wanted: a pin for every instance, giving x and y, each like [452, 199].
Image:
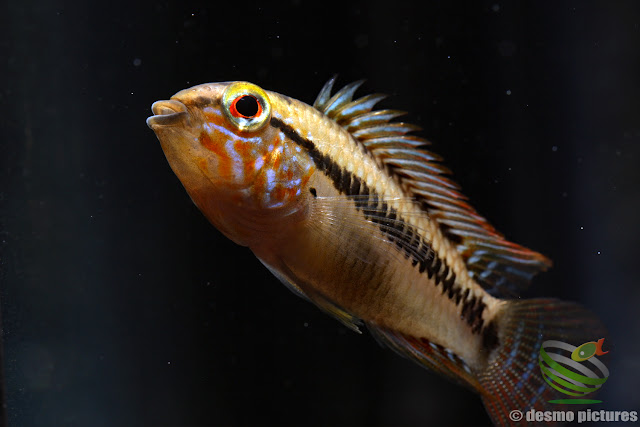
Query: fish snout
[167, 113]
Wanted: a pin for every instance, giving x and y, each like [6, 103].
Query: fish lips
[167, 113]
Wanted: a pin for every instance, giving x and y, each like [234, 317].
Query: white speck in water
[306, 325]
[581, 228]
[554, 148]
[137, 62]
[168, 363]
[598, 252]
[508, 91]
[448, 56]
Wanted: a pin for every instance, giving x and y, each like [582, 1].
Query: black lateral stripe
[355, 185]
[405, 236]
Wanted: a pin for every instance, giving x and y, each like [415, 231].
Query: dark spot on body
[313, 192]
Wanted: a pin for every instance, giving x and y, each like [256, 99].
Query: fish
[350, 209]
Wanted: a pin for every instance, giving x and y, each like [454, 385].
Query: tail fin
[513, 379]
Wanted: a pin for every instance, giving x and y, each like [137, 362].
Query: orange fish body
[350, 211]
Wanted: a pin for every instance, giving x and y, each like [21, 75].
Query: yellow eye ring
[246, 105]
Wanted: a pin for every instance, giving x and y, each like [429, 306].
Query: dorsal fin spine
[489, 257]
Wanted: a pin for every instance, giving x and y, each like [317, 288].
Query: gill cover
[246, 106]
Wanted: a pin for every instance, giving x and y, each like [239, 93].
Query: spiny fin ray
[503, 268]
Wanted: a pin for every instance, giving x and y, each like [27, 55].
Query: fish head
[218, 140]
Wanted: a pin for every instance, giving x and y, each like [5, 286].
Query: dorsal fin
[503, 268]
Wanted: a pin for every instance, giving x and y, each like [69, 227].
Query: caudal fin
[513, 380]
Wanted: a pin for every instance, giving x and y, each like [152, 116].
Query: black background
[122, 306]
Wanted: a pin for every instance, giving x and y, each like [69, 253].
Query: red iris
[245, 106]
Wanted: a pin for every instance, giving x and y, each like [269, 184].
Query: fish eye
[246, 106]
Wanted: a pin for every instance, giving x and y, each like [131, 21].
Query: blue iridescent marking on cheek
[212, 128]
[293, 183]
[271, 179]
[258, 163]
[238, 164]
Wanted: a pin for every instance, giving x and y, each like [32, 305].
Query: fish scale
[351, 212]
[372, 176]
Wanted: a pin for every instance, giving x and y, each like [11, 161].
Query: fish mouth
[167, 113]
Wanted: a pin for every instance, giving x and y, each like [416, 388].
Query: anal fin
[429, 355]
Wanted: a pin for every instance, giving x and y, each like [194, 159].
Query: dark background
[122, 306]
